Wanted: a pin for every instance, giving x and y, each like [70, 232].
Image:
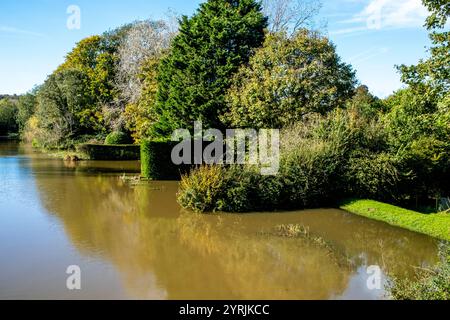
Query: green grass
[436, 225]
[65, 155]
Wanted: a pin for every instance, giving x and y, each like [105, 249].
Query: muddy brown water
[135, 242]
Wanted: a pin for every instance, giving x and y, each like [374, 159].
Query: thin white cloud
[348, 30]
[361, 54]
[17, 31]
[386, 14]
[369, 54]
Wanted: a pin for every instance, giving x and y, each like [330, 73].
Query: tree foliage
[418, 133]
[8, 115]
[66, 107]
[72, 100]
[366, 103]
[419, 122]
[440, 11]
[287, 79]
[26, 106]
[141, 116]
[92, 57]
[208, 50]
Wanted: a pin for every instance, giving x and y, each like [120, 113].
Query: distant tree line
[146, 78]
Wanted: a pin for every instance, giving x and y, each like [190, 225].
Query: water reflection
[162, 252]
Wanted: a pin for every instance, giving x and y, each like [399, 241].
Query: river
[133, 241]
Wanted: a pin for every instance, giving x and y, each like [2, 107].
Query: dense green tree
[418, 132]
[366, 103]
[8, 116]
[288, 78]
[418, 125]
[64, 108]
[208, 50]
[26, 106]
[410, 117]
[97, 57]
[72, 101]
[93, 58]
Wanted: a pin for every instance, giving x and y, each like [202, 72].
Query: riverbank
[68, 155]
[436, 225]
[84, 152]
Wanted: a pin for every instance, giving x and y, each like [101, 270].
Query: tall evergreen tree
[208, 50]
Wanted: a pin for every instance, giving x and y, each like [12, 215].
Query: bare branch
[290, 15]
[145, 39]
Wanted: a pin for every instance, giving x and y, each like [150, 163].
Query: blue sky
[372, 35]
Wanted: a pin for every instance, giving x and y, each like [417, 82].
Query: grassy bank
[435, 225]
[85, 152]
[65, 155]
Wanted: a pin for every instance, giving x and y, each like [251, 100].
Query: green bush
[310, 169]
[418, 136]
[115, 138]
[372, 176]
[247, 190]
[231, 189]
[201, 190]
[325, 159]
[304, 181]
[110, 152]
[427, 160]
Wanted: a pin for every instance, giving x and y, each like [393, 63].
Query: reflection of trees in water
[262, 266]
[8, 147]
[396, 250]
[367, 242]
[190, 256]
[162, 253]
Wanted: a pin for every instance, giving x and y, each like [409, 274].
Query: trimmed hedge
[156, 161]
[118, 138]
[110, 152]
